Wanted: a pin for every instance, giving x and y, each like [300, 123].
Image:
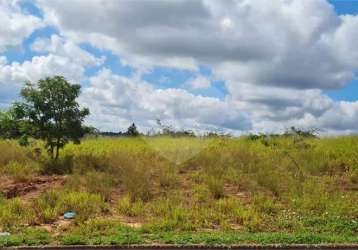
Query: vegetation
[169, 186]
[187, 190]
[132, 130]
[49, 112]
[9, 126]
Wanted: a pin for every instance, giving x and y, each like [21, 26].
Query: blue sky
[163, 77]
[350, 92]
[345, 6]
[195, 64]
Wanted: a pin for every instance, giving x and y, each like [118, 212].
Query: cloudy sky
[208, 65]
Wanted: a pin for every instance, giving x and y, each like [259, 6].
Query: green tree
[9, 126]
[49, 111]
[132, 130]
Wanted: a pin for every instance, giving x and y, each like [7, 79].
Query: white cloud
[199, 82]
[65, 48]
[63, 58]
[115, 101]
[342, 117]
[294, 44]
[275, 57]
[15, 25]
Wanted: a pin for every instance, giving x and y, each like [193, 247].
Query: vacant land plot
[182, 190]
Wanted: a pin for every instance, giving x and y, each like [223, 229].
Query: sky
[232, 66]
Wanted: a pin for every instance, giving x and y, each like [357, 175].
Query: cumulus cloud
[62, 58]
[15, 25]
[276, 59]
[199, 82]
[297, 44]
[122, 99]
[66, 48]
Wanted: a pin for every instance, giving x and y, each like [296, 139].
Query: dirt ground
[30, 189]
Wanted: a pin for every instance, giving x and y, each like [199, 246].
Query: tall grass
[192, 184]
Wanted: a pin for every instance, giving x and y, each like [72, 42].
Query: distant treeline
[170, 131]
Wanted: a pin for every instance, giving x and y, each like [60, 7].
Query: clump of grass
[264, 203]
[46, 206]
[200, 193]
[136, 179]
[11, 150]
[215, 186]
[84, 204]
[101, 232]
[52, 204]
[59, 166]
[167, 177]
[27, 237]
[127, 207]
[20, 171]
[14, 213]
[92, 182]
[90, 162]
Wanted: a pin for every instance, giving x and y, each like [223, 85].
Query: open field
[182, 190]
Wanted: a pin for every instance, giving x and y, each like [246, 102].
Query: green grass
[111, 233]
[191, 190]
[27, 237]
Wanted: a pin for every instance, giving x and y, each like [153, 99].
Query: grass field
[182, 190]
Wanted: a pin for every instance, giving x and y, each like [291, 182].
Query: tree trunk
[51, 152]
[57, 149]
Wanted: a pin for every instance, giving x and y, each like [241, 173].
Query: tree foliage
[49, 111]
[9, 126]
[132, 130]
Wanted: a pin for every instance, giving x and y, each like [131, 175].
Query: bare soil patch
[30, 189]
